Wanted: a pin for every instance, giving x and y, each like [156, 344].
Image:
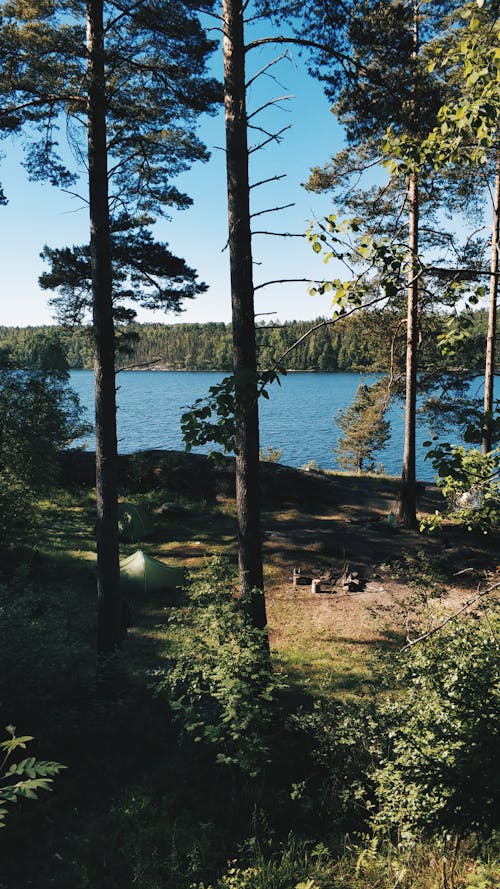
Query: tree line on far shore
[355, 344]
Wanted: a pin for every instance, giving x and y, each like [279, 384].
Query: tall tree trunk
[489, 371]
[243, 317]
[408, 499]
[109, 616]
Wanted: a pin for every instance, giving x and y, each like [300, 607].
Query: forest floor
[322, 523]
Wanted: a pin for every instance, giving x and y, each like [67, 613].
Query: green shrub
[470, 482]
[18, 512]
[220, 686]
[440, 773]
[343, 743]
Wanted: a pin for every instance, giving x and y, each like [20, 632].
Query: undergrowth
[203, 767]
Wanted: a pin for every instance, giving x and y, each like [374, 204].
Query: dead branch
[285, 55]
[281, 234]
[272, 210]
[453, 616]
[327, 322]
[149, 363]
[275, 137]
[266, 181]
[464, 274]
[345, 60]
[286, 281]
[268, 104]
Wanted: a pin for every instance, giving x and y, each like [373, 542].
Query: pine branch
[126, 13]
[464, 274]
[345, 60]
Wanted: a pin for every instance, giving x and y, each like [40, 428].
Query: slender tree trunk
[109, 616]
[243, 317]
[408, 497]
[489, 372]
[408, 502]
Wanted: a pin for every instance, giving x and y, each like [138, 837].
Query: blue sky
[40, 214]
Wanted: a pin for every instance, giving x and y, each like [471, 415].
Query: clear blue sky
[40, 214]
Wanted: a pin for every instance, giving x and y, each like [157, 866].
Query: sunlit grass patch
[341, 670]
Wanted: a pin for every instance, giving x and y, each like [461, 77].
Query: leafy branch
[24, 779]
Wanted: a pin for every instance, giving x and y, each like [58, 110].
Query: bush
[220, 686]
[470, 482]
[440, 773]
[344, 745]
[17, 511]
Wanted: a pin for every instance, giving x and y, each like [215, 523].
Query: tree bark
[243, 316]
[109, 614]
[408, 499]
[408, 495]
[489, 371]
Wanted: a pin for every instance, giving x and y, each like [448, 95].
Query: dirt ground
[407, 580]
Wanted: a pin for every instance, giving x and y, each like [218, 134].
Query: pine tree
[392, 88]
[128, 81]
[364, 428]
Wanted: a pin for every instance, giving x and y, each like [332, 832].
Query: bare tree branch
[275, 137]
[287, 281]
[285, 55]
[140, 364]
[327, 322]
[453, 616]
[268, 104]
[272, 210]
[280, 234]
[271, 179]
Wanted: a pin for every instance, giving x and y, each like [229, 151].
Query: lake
[298, 418]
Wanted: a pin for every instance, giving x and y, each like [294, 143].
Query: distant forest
[363, 342]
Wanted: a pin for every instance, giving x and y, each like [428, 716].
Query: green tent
[140, 573]
[134, 522]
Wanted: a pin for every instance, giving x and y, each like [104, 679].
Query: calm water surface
[298, 418]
